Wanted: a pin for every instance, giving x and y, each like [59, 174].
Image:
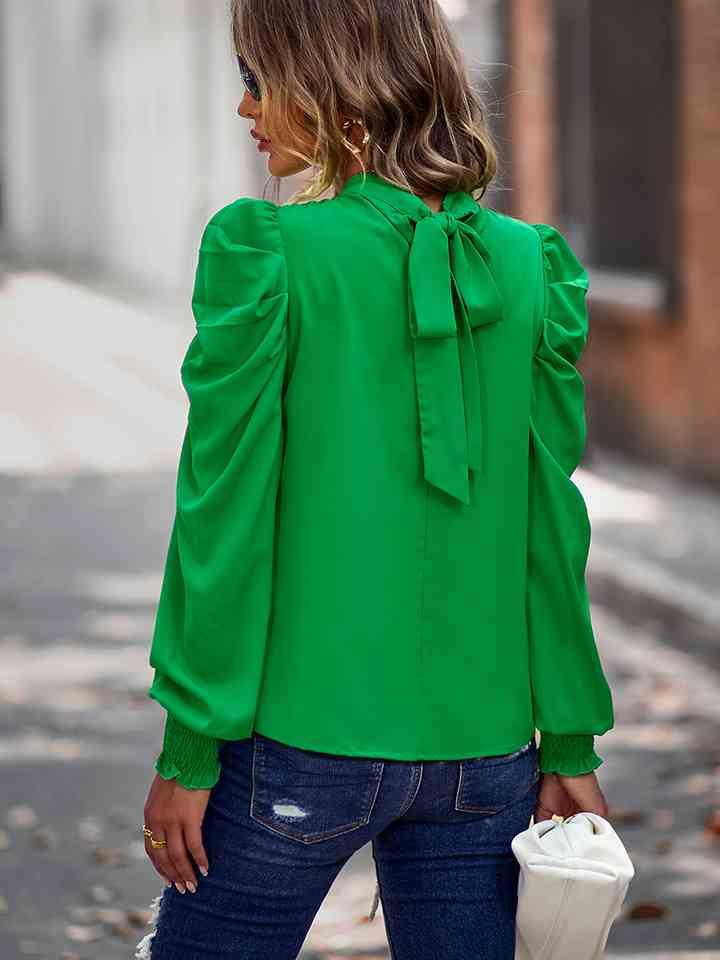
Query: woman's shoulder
[509, 229]
[551, 243]
[545, 242]
[270, 224]
[247, 220]
[241, 260]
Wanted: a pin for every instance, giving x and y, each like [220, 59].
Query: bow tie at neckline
[451, 293]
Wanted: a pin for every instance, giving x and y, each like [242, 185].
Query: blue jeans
[281, 822]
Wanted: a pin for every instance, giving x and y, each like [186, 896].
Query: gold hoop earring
[366, 137]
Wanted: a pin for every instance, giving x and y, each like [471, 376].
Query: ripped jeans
[281, 822]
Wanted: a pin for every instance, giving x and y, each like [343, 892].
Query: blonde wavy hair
[392, 64]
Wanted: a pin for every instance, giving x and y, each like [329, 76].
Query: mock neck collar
[371, 184]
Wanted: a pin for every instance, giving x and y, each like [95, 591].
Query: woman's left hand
[175, 814]
[565, 796]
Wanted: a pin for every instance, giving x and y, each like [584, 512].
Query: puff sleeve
[215, 601]
[571, 697]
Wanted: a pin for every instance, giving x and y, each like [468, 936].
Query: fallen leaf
[646, 910]
[44, 839]
[110, 856]
[138, 917]
[84, 934]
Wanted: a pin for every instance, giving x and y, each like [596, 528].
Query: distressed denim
[281, 822]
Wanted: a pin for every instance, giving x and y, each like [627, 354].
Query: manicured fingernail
[203, 871]
[180, 888]
[191, 887]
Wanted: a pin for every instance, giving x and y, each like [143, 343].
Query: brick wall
[653, 380]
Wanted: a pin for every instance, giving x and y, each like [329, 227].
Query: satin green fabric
[378, 549]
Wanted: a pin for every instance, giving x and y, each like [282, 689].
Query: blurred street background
[119, 140]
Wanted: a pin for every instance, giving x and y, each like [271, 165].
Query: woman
[374, 591]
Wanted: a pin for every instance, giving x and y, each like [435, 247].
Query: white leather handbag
[574, 876]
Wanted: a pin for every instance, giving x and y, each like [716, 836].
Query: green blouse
[378, 549]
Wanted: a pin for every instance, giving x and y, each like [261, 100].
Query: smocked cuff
[188, 757]
[568, 754]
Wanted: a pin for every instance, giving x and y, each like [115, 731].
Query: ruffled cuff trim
[188, 757]
[568, 754]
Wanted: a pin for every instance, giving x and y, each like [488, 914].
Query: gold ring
[153, 843]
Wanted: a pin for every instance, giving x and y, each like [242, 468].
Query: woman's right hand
[567, 795]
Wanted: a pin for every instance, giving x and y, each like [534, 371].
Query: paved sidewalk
[654, 534]
[90, 429]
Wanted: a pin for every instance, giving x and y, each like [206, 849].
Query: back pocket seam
[377, 772]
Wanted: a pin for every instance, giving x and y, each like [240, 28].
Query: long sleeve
[571, 697]
[215, 602]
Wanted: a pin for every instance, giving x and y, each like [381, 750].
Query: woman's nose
[248, 107]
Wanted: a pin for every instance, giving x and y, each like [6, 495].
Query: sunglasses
[249, 78]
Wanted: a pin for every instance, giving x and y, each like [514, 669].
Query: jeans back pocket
[310, 796]
[487, 785]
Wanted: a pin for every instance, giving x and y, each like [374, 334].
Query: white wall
[121, 132]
